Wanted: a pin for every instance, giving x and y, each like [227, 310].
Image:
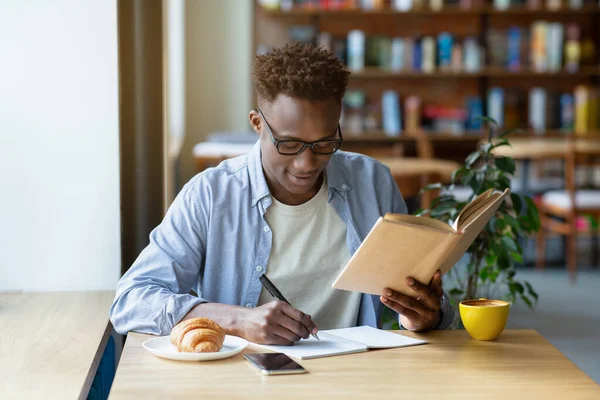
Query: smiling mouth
[301, 178]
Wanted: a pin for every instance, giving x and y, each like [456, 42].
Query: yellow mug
[484, 319]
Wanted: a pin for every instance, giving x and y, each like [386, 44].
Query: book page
[375, 338]
[471, 208]
[421, 221]
[467, 219]
[312, 348]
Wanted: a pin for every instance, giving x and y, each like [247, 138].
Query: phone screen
[274, 363]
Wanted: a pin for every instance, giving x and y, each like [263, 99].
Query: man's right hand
[276, 323]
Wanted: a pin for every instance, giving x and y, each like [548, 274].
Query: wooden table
[413, 173]
[528, 150]
[51, 343]
[519, 365]
[544, 148]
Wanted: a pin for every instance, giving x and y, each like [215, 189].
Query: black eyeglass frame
[278, 142]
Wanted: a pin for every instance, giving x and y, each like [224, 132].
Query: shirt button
[344, 187]
[266, 229]
[249, 305]
[259, 268]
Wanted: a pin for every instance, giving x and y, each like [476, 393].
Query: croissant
[197, 335]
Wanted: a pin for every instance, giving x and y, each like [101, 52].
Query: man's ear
[255, 121]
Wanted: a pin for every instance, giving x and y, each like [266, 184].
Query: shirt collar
[258, 183]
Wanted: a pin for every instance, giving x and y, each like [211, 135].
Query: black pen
[276, 293]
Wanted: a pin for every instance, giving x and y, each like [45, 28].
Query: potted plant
[492, 259]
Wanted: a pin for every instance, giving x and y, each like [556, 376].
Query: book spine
[496, 105]
[408, 53]
[538, 46]
[398, 52]
[572, 48]
[514, 49]
[567, 112]
[445, 42]
[474, 113]
[537, 110]
[412, 113]
[428, 55]
[581, 110]
[457, 58]
[390, 108]
[555, 46]
[417, 55]
[471, 54]
[356, 50]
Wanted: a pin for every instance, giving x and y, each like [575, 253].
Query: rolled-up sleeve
[153, 295]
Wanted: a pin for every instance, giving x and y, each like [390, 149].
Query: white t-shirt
[308, 252]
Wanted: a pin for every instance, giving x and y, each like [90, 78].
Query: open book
[336, 342]
[399, 246]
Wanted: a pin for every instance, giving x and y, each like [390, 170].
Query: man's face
[295, 179]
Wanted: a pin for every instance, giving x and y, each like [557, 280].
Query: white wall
[218, 71]
[59, 145]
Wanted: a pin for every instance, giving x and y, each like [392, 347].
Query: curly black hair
[301, 71]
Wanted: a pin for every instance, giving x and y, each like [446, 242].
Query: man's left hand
[422, 313]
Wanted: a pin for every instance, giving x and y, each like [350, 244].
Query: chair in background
[560, 210]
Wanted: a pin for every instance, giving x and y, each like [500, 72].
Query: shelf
[587, 9]
[406, 137]
[377, 73]
[447, 10]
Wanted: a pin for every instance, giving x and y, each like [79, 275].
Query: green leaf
[500, 143]
[511, 221]
[472, 158]
[509, 244]
[503, 261]
[505, 164]
[501, 224]
[456, 291]
[530, 290]
[431, 186]
[527, 301]
[532, 213]
[516, 287]
[516, 201]
[517, 257]
[494, 275]
[491, 258]
[458, 172]
[502, 183]
[465, 178]
[484, 273]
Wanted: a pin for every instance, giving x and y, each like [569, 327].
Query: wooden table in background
[51, 343]
[413, 173]
[544, 148]
[519, 365]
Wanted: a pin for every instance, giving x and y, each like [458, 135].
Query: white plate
[162, 347]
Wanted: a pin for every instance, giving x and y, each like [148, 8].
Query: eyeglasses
[295, 147]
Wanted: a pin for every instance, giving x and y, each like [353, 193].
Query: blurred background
[107, 108]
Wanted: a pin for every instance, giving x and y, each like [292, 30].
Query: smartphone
[274, 363]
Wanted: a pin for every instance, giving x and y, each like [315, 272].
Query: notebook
[335, 342]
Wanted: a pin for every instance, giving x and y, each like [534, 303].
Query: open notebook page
[312, 348]
[345, 341]
[375, 338]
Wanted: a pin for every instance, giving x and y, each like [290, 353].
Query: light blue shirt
[214, 239]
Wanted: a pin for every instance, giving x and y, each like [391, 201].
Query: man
[295, 207]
